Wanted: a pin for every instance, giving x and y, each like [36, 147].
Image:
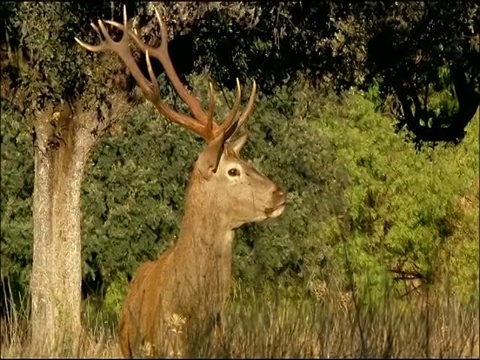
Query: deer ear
[208, 160]
[237, 145]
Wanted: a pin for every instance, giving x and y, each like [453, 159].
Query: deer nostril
[279, 192]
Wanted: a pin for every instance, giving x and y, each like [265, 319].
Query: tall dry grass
[335, 324]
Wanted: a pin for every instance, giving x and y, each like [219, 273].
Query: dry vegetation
[335, 325]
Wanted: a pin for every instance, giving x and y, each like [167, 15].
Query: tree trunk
[61, 152]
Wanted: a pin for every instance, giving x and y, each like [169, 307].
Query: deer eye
[233, 172]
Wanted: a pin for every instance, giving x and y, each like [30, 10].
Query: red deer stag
[192, 278]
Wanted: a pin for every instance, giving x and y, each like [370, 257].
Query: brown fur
[192, 278]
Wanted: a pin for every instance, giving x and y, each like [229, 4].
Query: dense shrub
[361, 199]
[404, 206]
[15, 200]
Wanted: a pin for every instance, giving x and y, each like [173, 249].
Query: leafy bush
[16, 199]
[403, 206]
[116, 292]
[361, 199]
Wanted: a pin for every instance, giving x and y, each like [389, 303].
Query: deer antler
[202, 122]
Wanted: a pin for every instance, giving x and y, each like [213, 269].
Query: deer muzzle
[278, 203]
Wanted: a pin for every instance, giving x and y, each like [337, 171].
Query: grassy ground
[334, 324]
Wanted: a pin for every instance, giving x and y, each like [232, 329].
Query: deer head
[240, 192]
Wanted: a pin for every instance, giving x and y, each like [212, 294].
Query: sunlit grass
[431, 325]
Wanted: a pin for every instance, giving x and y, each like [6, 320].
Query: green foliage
[334, 157]
[16, 196]
[400, 202]
[43, 63]
[405, 47]
[114, 296]
[361, 199]
[412, 50]
[418, 50]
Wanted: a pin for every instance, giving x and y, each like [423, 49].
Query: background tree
[425, 55]
[428, 55]
[70, 99]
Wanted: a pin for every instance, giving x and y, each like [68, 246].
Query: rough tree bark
[65, 138]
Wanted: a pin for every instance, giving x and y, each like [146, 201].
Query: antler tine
[248, 110]
[163, 28]
[211, 108]
[233, 112]
[153, 78]
[94, 48]
[232, 129]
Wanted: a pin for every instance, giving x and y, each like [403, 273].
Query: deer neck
[205, 235]
[203, 252]
[204, 229]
